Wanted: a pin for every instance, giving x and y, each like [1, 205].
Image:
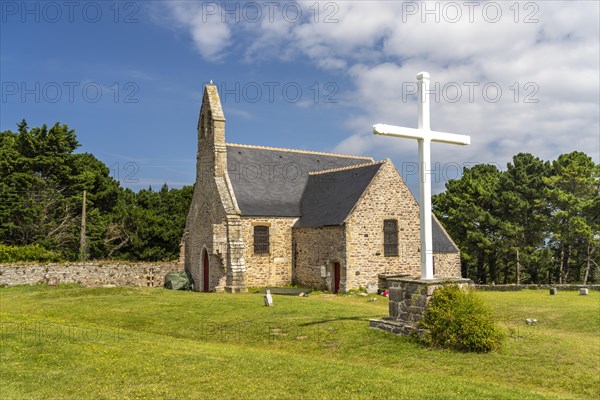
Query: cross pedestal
[424, 135]
[408, 301]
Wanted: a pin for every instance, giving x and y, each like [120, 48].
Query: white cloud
[203, 22]
[381, 46]
[239, 113]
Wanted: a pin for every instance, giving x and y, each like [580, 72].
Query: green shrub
[32, 252]
[457, 319]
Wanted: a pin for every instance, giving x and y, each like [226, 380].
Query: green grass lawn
[129, 343]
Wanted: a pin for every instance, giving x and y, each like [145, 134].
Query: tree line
[535, 222]
[42, 181]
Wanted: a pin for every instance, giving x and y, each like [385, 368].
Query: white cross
[424, 135]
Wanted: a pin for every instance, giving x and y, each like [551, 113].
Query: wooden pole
[518, 268]
[82, 239]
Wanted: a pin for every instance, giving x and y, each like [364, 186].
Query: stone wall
[446, 265]
[358, 245]
[275, 268]
[206, 232]
[509, 288]
[317, 249]
[382, 200]
[366, 260]
[87, 274]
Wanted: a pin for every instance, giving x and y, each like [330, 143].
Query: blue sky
[128, 77]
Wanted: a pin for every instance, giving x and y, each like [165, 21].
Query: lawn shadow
[365, 319]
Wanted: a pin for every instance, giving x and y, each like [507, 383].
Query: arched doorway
[337, 272]
[205, 272]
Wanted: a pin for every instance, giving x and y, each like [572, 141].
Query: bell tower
[216, 218]
[211, 159]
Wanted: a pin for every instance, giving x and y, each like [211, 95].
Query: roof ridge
[327, 171]
[250, 146]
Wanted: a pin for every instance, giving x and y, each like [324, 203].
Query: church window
[261, 239]
[390, 238]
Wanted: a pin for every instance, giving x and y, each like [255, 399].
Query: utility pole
[82, 239]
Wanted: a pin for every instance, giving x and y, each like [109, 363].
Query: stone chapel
[263, 216]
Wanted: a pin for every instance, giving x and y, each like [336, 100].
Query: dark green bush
[32, 252]
[457, 319]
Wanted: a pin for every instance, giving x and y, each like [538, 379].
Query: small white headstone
[268, 299]
[583, 291]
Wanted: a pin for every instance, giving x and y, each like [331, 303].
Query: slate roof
[269, 182]
[441, 241]
[278, 183]
[330, 196]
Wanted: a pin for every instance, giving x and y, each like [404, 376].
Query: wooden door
[336, 277]
[205, 273]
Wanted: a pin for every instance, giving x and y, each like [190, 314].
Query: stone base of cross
[424, 135]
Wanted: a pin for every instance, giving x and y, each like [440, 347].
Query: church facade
[263, 216]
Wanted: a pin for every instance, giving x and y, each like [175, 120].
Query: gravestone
[553, 291]
[583, 291]
[268, 298]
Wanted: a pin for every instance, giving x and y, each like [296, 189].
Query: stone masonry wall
[317, 249]
[87, 274]
[408, 300]
[275, 268]
[446, 265]
[213, 223]
[387, 197]
[532, 286]
[207, 229]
